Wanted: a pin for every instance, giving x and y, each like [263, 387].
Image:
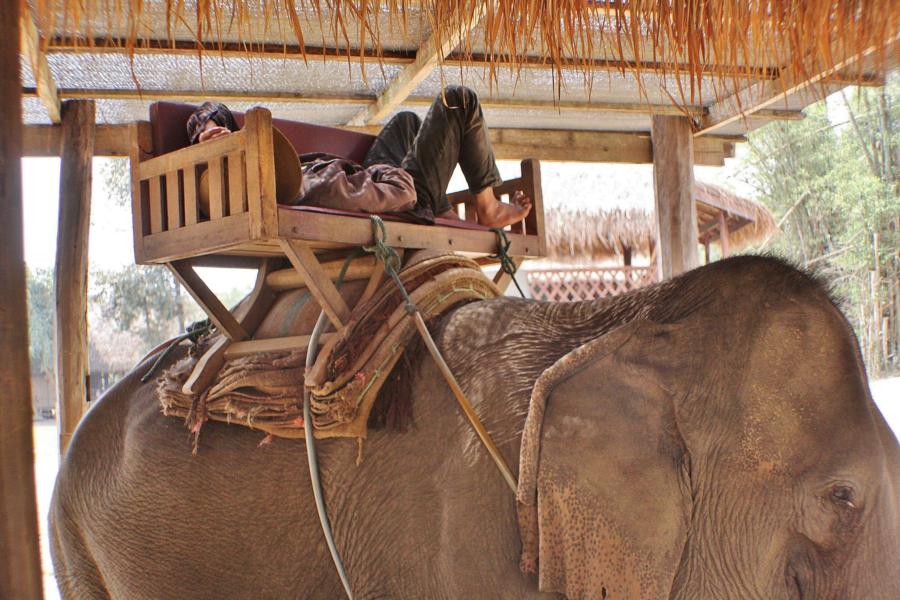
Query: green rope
[389, 257]
[507, 264]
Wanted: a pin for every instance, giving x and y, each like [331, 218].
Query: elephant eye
[843, 494]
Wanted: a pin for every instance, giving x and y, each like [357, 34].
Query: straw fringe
[796, 38]
[580, 235]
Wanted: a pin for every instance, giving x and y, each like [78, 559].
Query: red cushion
[168, 126]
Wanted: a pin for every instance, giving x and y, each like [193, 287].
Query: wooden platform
[246, 227]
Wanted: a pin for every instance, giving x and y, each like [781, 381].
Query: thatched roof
[686, 37]
[586, 235]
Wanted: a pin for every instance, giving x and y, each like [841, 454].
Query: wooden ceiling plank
[428, 57]
[319, 98]
[61, 45]
[764, 94]
[30, 42]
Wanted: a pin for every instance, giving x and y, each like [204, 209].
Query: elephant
[726, 434]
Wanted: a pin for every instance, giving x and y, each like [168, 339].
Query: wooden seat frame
[246, 227]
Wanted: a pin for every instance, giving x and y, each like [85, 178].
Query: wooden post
[72, 369]
[723, 235]
[20, 559]
[673, 183]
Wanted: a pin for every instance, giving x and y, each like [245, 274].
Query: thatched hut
[596, 251]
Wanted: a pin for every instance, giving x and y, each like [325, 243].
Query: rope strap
[385, 254]
[507, 264]
[312, 457]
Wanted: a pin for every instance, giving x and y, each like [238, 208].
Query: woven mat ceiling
[555, 64]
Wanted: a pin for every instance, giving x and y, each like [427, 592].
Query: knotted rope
[507, 264]
[389, 257]
[193, 333]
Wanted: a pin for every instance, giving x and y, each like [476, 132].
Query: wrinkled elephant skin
[731, 437]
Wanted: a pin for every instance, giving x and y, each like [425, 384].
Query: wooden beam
[508, 144]
[428, 57]
[30, 41]
[103, 45]
[20, 558]
[148, 95]
[723, 235]
[673, 185]
[218, 313]
[764, 94]
[72, 368]
[317, 281]
[44, 140]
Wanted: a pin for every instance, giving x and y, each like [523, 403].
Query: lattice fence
[570, 285]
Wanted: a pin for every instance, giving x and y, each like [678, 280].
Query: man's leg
[394, 140]
[454, 132]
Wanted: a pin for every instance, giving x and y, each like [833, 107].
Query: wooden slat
[236, 191]
[32, 48]
[203, 238]
[20, 559]
[198, 153]
[173, 197]
[207, 366]
[218, 313]
[342, 231]
[283, 344]
[71, 348]
[216, 189]
[261, 188]
[531, 174]
[139, 145]
[156, 207]
[317, 281]
[191, 207]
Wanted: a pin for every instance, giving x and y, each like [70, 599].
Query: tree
[834, 184]
[40, 320]
[144, 300]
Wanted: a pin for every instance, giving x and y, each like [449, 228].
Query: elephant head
[686, 460]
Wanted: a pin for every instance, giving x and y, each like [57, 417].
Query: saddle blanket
[264, 391]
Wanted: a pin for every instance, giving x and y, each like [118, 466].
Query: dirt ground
[886, 393]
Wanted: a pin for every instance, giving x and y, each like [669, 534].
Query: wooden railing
[574, 284]
[236, 172]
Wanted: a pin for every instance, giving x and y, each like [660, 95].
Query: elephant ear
[603, 494]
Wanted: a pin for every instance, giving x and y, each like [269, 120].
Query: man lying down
[408, 166]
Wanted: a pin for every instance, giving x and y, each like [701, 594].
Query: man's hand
[212, 132]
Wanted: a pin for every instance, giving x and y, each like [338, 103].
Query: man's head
[209, 115]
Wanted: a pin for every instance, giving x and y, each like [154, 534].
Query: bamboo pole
[20, 559]
[72, 370]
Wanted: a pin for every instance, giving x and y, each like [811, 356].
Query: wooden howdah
[245, 226]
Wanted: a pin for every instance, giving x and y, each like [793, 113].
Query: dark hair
[216, 112]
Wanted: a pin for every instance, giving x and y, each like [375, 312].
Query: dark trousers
[452, 133]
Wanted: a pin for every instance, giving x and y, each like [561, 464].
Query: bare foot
[493, 213]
